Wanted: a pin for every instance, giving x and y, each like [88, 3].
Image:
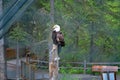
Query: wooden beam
[98, 68]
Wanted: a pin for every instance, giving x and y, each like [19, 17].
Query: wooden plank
[98, 68]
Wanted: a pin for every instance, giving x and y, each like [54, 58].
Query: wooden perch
[53, 64]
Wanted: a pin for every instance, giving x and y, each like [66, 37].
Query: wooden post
[2, 57]
[2, 61]
[85, 63]
[54, 64]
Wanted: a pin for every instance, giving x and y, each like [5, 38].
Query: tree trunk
[2, 58]
[91, 42]
[52, 11]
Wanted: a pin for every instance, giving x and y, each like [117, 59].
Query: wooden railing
[82, 65]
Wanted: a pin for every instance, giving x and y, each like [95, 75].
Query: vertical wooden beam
[85, 66]
[2, 60]
[17, 62]
[2, 57]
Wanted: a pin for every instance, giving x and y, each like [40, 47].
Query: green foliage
[18, 34]
[43, 4]
[74, 71]
[66, 77]
[90, 27]
[87, 21]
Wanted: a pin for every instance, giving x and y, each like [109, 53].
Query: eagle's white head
[56, 28]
